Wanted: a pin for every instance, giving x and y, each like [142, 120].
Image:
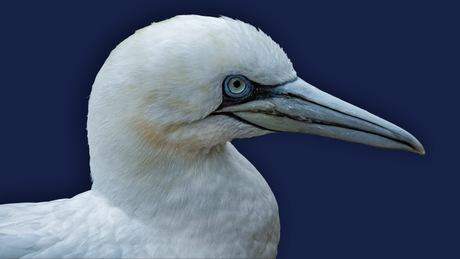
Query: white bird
[167, 183]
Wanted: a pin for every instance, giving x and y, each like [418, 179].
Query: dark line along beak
[300, 107]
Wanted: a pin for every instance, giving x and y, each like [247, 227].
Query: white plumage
[166, 181]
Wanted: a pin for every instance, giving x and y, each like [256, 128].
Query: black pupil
[236, 84]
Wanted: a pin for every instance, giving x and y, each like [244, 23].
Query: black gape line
[236, 117]
[257, 92]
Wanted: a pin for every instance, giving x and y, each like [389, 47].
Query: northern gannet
[167, 183]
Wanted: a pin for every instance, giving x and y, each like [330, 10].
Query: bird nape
[167, 183]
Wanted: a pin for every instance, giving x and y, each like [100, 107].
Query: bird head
[191, 83]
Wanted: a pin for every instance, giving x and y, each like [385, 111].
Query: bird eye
[237, 86]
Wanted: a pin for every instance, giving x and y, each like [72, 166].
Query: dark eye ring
[237, 86]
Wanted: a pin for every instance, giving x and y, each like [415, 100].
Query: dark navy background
[397, 59]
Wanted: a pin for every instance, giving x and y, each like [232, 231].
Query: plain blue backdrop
[396, 59]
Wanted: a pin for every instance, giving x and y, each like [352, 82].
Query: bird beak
[300, 107]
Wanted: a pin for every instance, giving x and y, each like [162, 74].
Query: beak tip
[420, 150]
[417, 147]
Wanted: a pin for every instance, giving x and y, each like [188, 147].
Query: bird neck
[183, 188]
[209, 197]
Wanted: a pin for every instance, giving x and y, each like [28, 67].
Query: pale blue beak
[300, 107]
